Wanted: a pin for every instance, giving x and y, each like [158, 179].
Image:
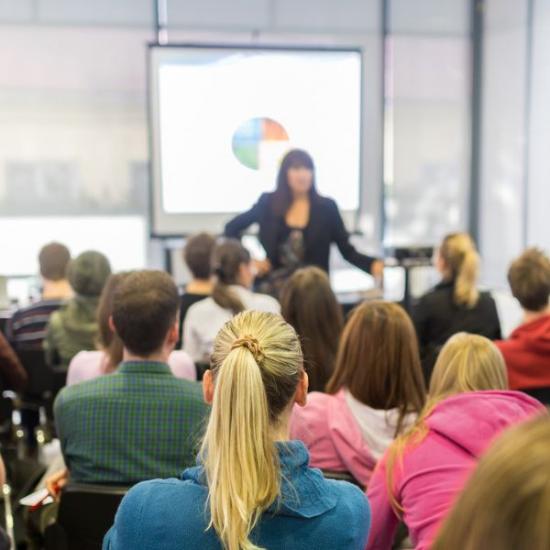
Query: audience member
[73, 327]
[197, 254]
[252, 487]
[455, 304]
[86, 365]
[139, 422]
[527, 351]
[376, 391]
[234, 276]
[27, 327]
[12, 374]
[506, 501]
[310, 306]
[426, 468]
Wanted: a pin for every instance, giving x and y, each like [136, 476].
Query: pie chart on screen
[258, 142]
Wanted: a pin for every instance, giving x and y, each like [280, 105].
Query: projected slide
[224, 118]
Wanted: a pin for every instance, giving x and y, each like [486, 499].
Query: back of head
[88, 273]
[461, 259]
[310, 306]
[529, 278]
[197, 254]
[145, 308]
[467, 362]
[257, 365]
[506, 501]
[107, 339]
[53, 259]
[227, 258]
[378, 359]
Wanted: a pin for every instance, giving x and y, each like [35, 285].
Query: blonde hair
[257, 364]
[460, 257]
[467, 362]
[506, 501]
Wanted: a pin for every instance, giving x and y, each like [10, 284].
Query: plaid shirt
[135, 424]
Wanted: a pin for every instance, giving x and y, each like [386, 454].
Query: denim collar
[144, 366]
[304, 491]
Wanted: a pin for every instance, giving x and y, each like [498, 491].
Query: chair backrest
[542, 394]
[86, 512]
[40, 375]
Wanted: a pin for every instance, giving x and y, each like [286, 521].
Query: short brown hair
[378, 360]
[310, 306]
[145, 306]
[529, 278]
[53, 259]
[197, 254]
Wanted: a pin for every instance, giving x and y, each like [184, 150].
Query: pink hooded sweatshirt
[435, 471]
[330, 432]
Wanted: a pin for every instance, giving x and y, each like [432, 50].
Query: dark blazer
[437, 318]
[325, 226]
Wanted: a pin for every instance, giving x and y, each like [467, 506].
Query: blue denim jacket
[311, 512]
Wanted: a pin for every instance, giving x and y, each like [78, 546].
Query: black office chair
[86, 512]
[542, 394]
[44, 382]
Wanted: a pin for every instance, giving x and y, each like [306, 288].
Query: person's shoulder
[72, 397]
[350, 497]
[146, 507]
[200, 308]
[325, 203]
[266, 302]
[352, 510]
[486, 299]
[311, 421]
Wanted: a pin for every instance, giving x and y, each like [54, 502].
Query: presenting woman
[297, 225]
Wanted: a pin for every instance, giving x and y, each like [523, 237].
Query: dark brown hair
[529, 278]
[107, 339]
[282, 197]
[53, 259]
[197, 254]
[310, 306]
[378, 360]
[227, 258]
[145, 306]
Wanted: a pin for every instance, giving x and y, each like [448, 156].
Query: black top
[325, 226]
[437, 318]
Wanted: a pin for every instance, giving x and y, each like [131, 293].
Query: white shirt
[205, 318]
[377, 426]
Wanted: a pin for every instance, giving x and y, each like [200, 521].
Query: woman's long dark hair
[282, 197]
[227, 258]
[310, 306]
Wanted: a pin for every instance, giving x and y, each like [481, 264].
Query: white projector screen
[223, 117]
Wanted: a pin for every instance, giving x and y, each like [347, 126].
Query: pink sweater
[332, 435]
[435, 471]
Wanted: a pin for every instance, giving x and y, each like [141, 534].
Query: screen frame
[193, 221]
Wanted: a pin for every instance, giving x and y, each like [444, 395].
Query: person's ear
[300, 397]
[174, 334]
[112, 327]
[208, 387]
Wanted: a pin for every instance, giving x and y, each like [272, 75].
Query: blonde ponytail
[459, 253]
[257, 364]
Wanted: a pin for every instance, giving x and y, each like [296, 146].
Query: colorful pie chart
[256, 140]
